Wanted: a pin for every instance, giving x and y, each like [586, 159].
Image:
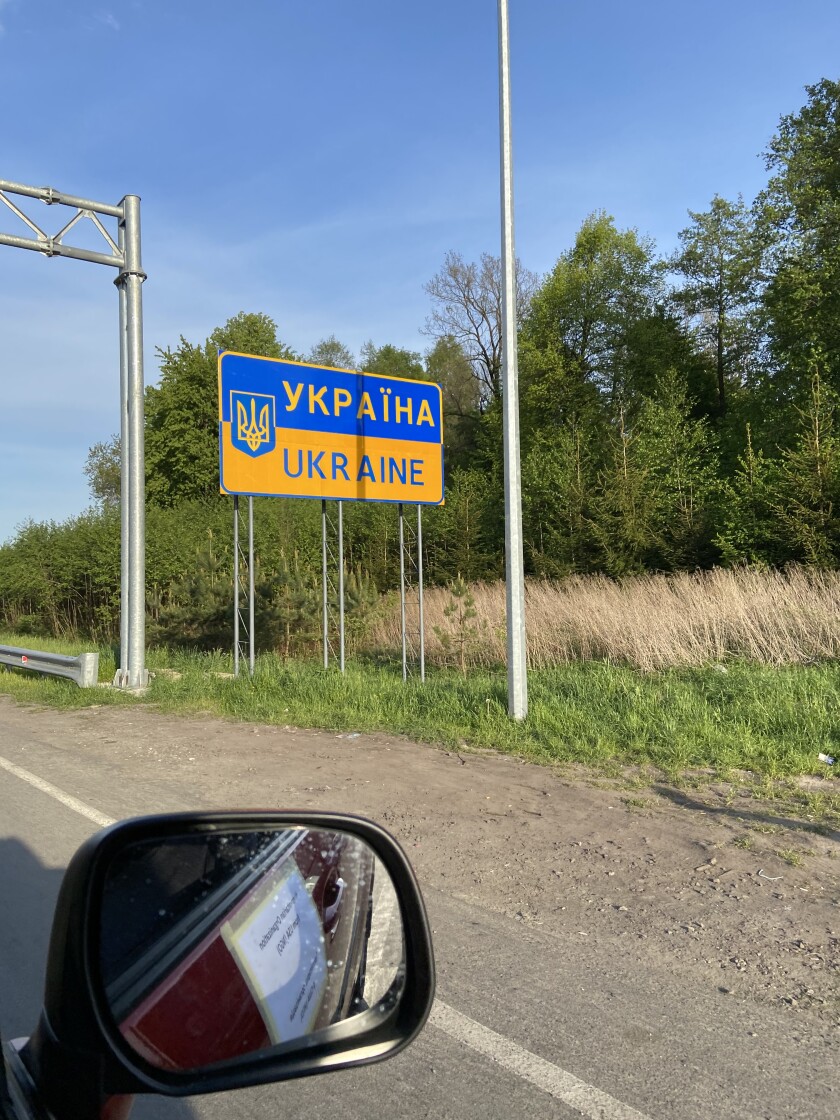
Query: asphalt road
[526, 1023]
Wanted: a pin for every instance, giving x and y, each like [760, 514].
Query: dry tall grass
[650, 622]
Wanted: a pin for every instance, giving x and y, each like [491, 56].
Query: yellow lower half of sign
[322, 465]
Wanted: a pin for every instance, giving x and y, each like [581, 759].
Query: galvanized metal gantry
[124, 255]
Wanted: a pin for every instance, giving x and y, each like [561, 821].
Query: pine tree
[197, 610]
[288, 618]
[666, 491]
[463, 633]
[624, 513]
[750, 531]
[808, 501]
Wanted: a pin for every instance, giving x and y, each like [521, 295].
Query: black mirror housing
[79, 1055]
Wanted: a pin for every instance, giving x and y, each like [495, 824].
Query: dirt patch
[716, 881]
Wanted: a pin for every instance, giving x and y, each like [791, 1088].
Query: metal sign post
[332, 560]
[325, 599]
[341, 585]
[420, 593]
[514, 561]
[402, 592]
[411, 565]
[236, 585]
[251, 620]
[124, 255]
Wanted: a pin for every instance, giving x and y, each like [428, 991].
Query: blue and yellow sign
[287, 429]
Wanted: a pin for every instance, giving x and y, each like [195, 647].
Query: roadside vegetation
[649, 622]
[724, 672]
[680, 433]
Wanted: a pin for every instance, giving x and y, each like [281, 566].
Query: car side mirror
[199, 952]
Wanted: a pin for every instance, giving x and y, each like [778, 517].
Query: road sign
[288, 429]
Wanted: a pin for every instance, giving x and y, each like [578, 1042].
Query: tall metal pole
[420, 588]
[121, 676]
[325, 605]
[251, 627]
[341, 584]
[132, 279]
[402, 592]
[514, 561]
[236, 585]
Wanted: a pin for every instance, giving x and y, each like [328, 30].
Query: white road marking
[59, 794]
[565, 1087]
[577, 1094]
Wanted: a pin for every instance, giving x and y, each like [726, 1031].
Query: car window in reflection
[152, 888]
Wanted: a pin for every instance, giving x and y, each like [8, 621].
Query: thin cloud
[107, 19]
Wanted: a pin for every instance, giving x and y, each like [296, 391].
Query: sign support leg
[325, 607]
[236, 585]
[420, 589]
[250, 585]
[341, 583]
[402, 590]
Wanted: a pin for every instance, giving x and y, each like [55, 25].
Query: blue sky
[317, 160]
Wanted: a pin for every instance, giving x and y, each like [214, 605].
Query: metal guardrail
[84, 669]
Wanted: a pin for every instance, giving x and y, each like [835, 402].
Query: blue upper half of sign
[316, 399]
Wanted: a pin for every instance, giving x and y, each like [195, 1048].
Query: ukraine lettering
[334, 465]
[332, 401]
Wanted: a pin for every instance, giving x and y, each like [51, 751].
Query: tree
[808, 502]
[582, 312]
[557, 493]
[719, 260]
[658, 489]
[289, 608]
[624, 524]
[655, 344]
[197, 609]
[331, 353]
[449, 367]
[182, 435]
[102, 469]
[462, 636]
[393, 361]
[467, 306]
[799, 215]
[750, 529]
[455, 535]
[678, 455]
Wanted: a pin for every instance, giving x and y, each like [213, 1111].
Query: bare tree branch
[468, 307]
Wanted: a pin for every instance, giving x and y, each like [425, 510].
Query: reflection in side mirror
[218, 944]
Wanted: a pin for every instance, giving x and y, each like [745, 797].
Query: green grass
[790, 855]
[770, 721]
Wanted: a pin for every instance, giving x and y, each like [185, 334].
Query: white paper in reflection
[275, 937]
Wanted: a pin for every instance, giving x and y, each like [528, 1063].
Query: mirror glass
[218, 944]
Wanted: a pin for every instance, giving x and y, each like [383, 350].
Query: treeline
[677, 413]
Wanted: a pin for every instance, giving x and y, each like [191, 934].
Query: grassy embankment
[728, 672]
